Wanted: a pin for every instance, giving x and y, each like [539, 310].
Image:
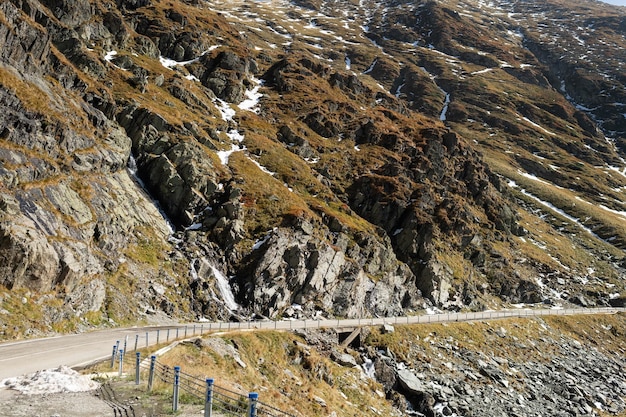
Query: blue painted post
[208, 403]
[136, 341]
[137, 361]
[121, 362]
[151, 375]
[253, 397]
[125, 343]
[176, 382]
[113, 356]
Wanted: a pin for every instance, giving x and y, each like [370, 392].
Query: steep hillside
[520, 367]
[310, 157]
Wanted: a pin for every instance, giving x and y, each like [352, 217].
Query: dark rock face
[227, 75]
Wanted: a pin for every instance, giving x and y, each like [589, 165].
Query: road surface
[27, 356]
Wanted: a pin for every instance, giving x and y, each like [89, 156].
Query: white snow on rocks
[527, 120]
[251, 103]
[226, 111]
[170, 63]
[110, 55]
[553, 208]
[51, 381]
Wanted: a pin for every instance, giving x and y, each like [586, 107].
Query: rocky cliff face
[409, 156]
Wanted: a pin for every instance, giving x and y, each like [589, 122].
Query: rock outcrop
[340, 277]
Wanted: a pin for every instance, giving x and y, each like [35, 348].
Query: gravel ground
[75, 404]
[88, 404]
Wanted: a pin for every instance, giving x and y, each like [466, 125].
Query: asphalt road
[28, 356]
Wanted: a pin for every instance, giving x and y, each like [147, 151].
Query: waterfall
[224, 287]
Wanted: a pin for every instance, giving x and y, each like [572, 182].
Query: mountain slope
[351, 158]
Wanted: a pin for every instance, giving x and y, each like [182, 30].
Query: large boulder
[295, 267]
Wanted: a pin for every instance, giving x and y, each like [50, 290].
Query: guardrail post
[194, 330]
[113, 356]
[167, 337]
[177, 333]
[158, 334]
[125, 343]
[208, 403]
[185, 332]
[253, 397]
[176, 383]
[151, 375]
[201, 329]
[121, 362]
[136, 341]
[137, 364]
[146, 339]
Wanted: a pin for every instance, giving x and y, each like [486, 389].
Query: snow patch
[170, 63]
[253, 96]
[527, 120]
[50, 381]
[110, 55]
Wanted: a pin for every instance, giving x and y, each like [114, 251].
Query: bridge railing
[167, 334]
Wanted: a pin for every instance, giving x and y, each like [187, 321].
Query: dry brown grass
[285, 373]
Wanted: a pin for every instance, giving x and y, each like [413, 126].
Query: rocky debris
[343, 359]
[388, 328]
[448, 379]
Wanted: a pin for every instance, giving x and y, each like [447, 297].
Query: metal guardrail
[216, 398]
